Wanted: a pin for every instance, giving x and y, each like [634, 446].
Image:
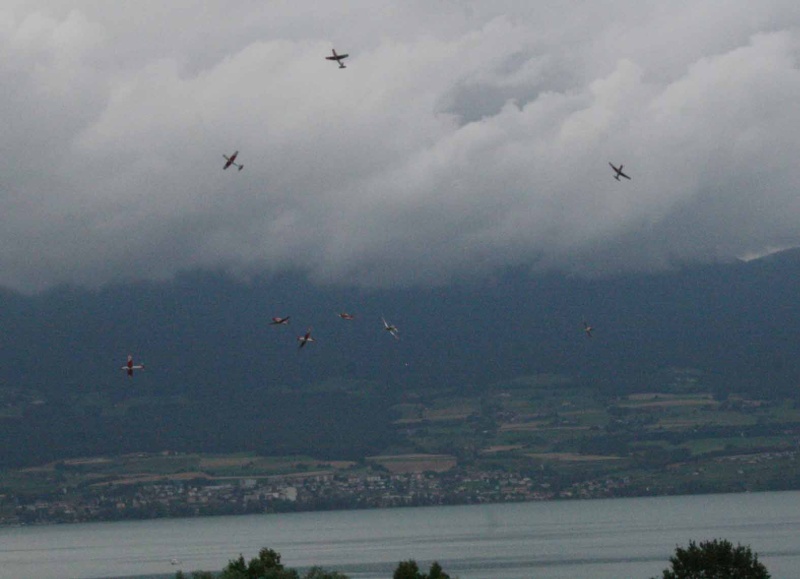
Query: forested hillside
[219, 378]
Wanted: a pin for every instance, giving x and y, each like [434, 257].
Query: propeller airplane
[305, 339]
[338, 58]
[130, 367]
[232, 161]
[392, 329]
[619, 172]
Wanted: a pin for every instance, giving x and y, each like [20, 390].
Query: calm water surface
[599, 539]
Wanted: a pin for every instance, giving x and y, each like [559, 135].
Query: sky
[462, 138]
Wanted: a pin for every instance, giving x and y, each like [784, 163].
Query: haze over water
[601, 539]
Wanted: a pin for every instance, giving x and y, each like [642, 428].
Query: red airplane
[619, 172]
[280, 321]
[232, 161]
[305, 339]
[346, 316]
[129, 367]
[338, 58]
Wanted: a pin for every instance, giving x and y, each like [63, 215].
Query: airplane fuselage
[232, 161]
[130, 367]
[619, 172]
[337, 58]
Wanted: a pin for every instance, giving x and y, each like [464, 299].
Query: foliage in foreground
[717, 559]
[268, 566]
[410, 570]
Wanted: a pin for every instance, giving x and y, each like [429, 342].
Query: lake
[597, 539]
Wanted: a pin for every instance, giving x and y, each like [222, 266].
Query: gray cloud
[462, 137]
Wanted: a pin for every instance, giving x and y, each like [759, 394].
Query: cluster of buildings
[174, 498]
[353, 490]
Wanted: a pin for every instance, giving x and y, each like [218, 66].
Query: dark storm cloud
[462, 137]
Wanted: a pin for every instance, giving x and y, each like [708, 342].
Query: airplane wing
[623, 174]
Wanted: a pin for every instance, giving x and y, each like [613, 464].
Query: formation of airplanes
[306, 338]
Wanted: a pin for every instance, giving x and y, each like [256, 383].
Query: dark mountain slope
[219, 378]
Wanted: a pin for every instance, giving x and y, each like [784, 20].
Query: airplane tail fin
[241, 167]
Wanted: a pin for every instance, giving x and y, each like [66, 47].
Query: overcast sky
[462, 137]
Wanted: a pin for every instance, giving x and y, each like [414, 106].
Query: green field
[557, 430]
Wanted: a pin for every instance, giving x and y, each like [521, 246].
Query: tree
[407, 570]
[266, 566]
[410, 570]
[437, 572]
[717, 559]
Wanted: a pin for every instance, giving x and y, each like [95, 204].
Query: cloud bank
[463, 137]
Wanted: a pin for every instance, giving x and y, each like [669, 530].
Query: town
[314, 491]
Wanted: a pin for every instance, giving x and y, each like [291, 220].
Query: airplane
[588, 329]
[129, 367]
[338, 58]
[392, 329]
[280, 321]
[619, 172]
[305, 339]
[232, 161]
[346, 316]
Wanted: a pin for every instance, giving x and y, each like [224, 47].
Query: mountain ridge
[215, 365]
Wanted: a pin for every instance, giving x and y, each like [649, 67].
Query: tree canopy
[266, 566]
[410, 570]
[717, 559]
